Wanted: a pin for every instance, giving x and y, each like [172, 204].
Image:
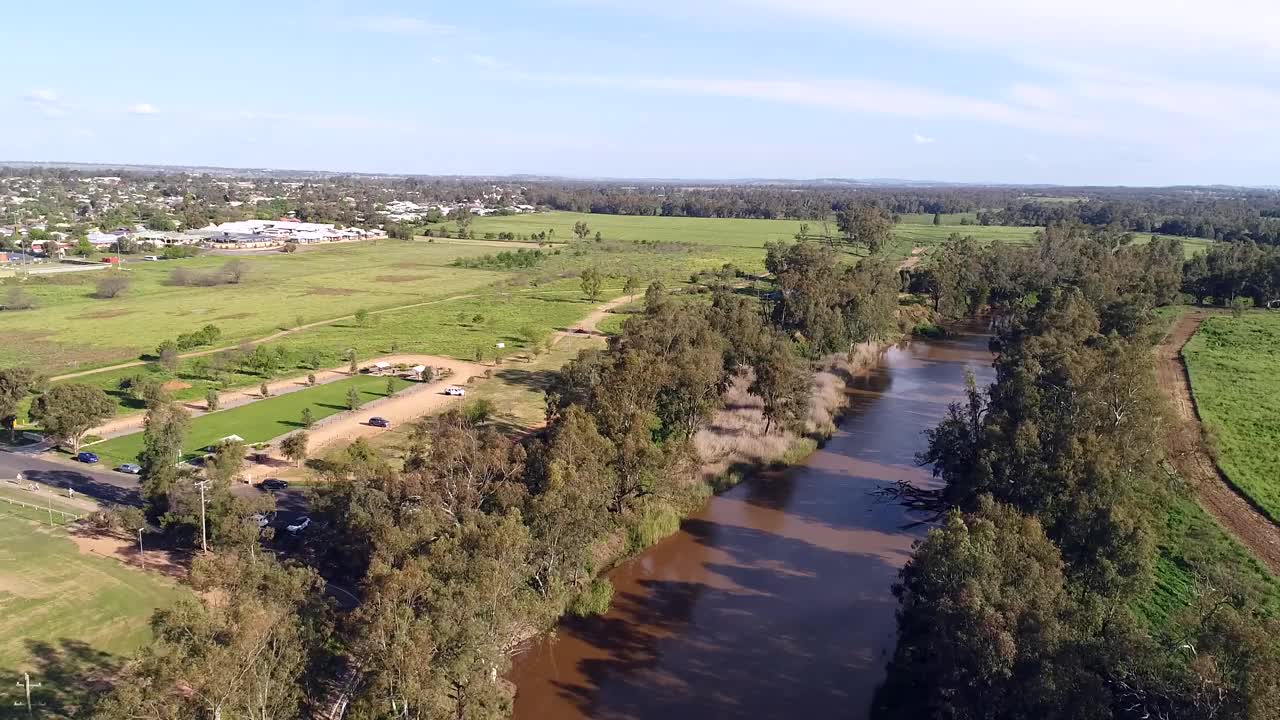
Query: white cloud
[922, 139]
[46, 101]
[401, 25]
[486, 61]
[143, 109]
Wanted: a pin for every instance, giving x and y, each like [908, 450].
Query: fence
[40, 513]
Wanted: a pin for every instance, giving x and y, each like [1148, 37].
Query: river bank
[774, 599]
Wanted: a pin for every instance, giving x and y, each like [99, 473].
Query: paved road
[113, 488]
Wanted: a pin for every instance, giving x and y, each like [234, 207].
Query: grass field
[53, 596]
[914, 230]
[258, 421]
[69, 328]
[1234, 365]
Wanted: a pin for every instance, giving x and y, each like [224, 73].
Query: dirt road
[1187, 451]
[917, 254]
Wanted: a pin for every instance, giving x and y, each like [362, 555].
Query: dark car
[274, 484]
[130, 469]
[87, 457]
[379, 422]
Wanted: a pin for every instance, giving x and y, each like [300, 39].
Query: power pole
[26, 682]
[204, 535]
[142, 559]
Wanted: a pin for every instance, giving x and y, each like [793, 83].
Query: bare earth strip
[1188, 452]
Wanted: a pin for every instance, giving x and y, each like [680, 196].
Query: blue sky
[1092, 91]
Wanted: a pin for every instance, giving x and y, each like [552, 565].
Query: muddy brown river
[774, 601]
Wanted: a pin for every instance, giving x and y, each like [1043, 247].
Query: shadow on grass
[71, 675]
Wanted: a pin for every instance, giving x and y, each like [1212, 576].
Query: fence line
[65, 516]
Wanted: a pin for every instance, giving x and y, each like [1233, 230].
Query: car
[151, 258]
[86, 457]
[379, 422]
[302, 524]
[130, 469]
[274, 484]
[455, 390]
[263, 519]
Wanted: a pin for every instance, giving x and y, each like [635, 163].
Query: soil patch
[174, 386]
[234, 316]
[104, 314]
[1188, 453]
[401, 278]
[329, 291]
[94, 542]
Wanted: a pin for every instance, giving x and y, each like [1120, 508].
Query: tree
[311, 379]
[113, 285]
[211, 400]
[362, 317]
[866, 226]
[987, 628]
[163, 432]
[226, 463]
[591, 281]
[15, 385]
[83, 248]
[307, 418]
[264, 390]
[391, 387]
[234, 271]
[294, 446]
[67, 412]
[937, 219]
[352, 366]
[599, 237]
[353, 399]
[581, 230]
[632, 284]
[167, 353]
[782, 380]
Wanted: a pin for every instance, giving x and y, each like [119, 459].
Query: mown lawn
[258, 421]
[56, 600]
[1234, 364]
[70, 329]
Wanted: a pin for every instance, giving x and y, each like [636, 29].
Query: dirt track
[1188, 453]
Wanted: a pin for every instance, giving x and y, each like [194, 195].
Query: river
[775, 600]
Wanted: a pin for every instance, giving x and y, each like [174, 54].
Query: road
[112, 488]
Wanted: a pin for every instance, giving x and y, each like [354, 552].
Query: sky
[1111, 92]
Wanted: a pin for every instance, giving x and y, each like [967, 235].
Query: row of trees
[1053, 498]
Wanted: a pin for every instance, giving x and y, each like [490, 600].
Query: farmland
[258, 421]
[55, 599]
[1234, 365]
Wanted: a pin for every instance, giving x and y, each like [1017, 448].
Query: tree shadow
[72, 676]
[535, 379]
[86, 485]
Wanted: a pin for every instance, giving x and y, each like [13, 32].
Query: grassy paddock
[1234, 364]
[258, 421]
[52, 595]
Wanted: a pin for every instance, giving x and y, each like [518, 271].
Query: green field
[733, 233]
[258, 421]
[57, 601]
[70, 329]
[1234, 365]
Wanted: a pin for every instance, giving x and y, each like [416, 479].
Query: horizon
[1132, 94]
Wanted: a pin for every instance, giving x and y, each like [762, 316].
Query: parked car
[151, 258]
[87, 457]
[454, 390]
[263, 519]
[274, 484]
[130, 469]
[379, 422]
[299, 526]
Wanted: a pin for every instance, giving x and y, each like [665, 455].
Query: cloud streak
[401, 25]
[46, 101]
[922, 139]
[143, 109]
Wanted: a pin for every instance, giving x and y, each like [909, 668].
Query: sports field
[258, 421]
[56, 600]
[1234, 365]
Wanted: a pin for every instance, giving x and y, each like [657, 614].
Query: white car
[301, 525]
[454, 390]
[263, 519]
[151, 258]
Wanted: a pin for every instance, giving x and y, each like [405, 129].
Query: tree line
[1053, 498]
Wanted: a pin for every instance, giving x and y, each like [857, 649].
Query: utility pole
[26, 682]
[204, 535]
[142, 559]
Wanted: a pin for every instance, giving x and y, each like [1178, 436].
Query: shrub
[113, 285]
[594, 600]
[17, 299]
[656, 520]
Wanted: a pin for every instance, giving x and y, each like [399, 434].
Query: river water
[774, 601]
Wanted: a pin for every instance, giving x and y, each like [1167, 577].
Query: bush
[594, 600]
[655, 521]
[928, 330]
[17, 299]
[113, 285]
